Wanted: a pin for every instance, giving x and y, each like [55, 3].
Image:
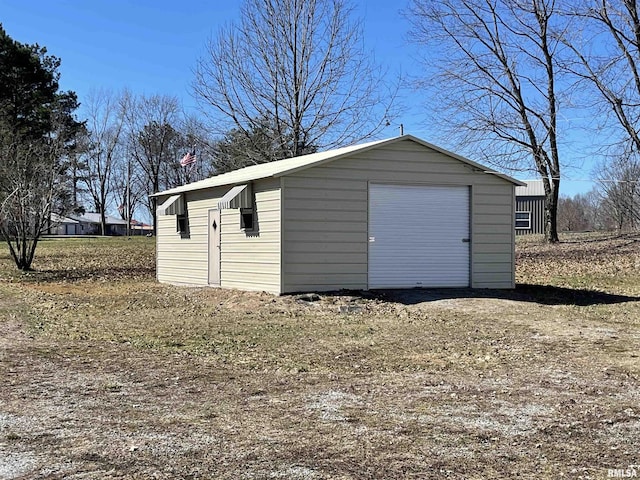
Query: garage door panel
[418, 236]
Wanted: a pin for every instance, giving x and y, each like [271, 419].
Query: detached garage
[396, 213]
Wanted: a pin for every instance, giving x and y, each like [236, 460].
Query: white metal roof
[531, 188]
[60, 219]
[92, 217]
[290, 165]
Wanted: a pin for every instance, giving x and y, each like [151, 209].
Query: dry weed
[107, 374]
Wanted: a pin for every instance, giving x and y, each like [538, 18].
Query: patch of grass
[173, 382]
[596, 261]
[85, 260]
[112, 387]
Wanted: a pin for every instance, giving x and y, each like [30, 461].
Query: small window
[246, 218]
[523, 220]
[182, 223]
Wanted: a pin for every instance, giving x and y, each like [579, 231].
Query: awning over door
[239, 196]
[174, 205]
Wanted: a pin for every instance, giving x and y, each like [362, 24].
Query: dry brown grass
[111, 375]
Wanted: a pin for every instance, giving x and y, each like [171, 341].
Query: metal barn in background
[530, 208]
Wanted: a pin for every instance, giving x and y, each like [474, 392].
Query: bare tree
[105, 124]
[618, 181]
[26, 208]
[239, 148]
[152, 122]
[127, 186]
[607, 60]
[574, 214]
[493, 63]
[192, 137]
[300, 65]
[33, 183]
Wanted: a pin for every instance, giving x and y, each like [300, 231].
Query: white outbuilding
[395, 213]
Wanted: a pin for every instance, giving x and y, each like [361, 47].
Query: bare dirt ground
[107, 374]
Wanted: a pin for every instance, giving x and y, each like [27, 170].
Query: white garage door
[418, 236]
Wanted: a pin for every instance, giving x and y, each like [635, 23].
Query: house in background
[63, 225]
[139, 228]
[395, 213]
[90, 224]
[530, 201]
[85, 224]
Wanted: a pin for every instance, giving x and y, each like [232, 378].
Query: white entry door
[418, 236]
[214, 247]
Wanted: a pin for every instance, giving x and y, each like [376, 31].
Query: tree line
[131, 148]
[502, 78]
[613, 204]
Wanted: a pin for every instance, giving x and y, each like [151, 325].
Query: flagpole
[192, 166]
[128, 196]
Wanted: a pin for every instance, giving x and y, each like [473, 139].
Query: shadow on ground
[542, 294]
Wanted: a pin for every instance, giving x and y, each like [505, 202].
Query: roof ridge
[285, 166]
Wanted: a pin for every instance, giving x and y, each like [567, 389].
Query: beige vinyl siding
[325, 215]
[185, 260]
[251, 260]
[493, 256]
[324, 239]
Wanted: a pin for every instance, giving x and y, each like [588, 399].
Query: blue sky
[152, 47]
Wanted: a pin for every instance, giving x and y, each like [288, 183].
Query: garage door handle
[466, 240]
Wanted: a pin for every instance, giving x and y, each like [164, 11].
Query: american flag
[188, 159]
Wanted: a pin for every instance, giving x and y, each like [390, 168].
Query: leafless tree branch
[496, 62]
[300, 66]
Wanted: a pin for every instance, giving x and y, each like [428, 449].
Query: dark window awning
[174, 205]
[239, 196]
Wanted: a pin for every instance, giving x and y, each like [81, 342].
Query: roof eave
[365, 148]
[393, 140]
[469, 162]
[287, 171]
